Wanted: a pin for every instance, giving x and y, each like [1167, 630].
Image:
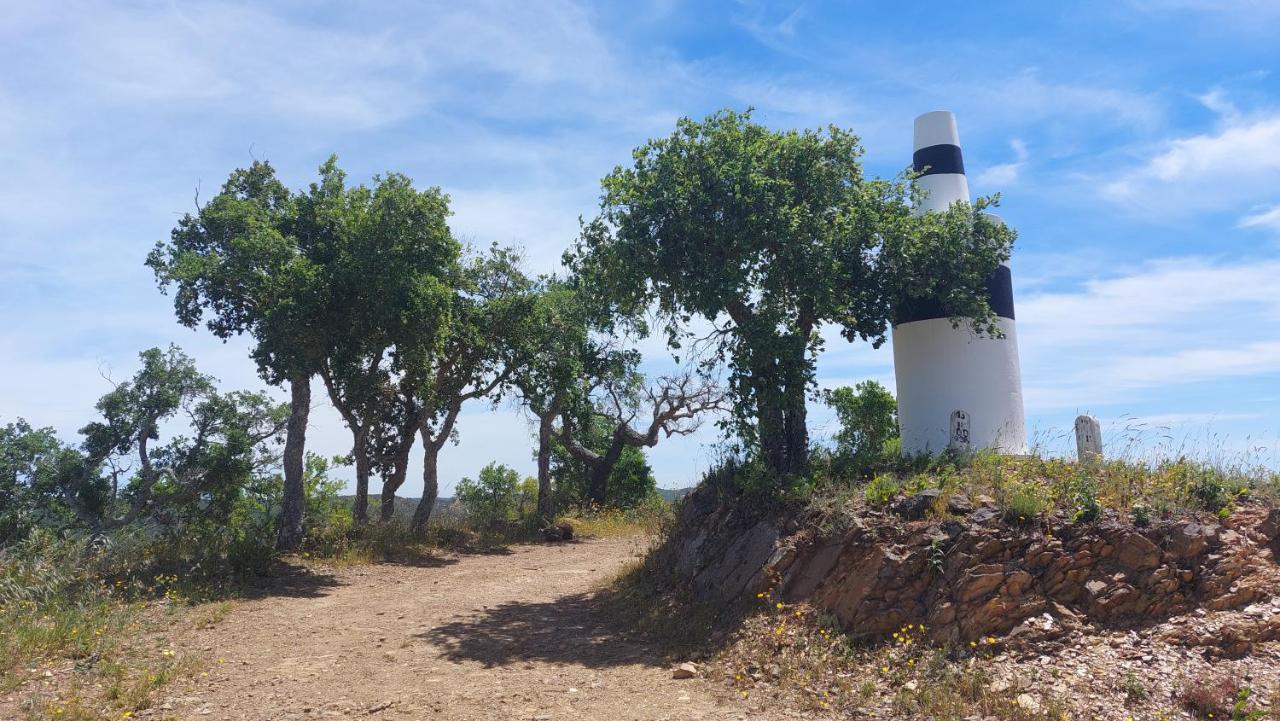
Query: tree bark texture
[294, 503]
[430, 486]
[360, 449]
[546, 511]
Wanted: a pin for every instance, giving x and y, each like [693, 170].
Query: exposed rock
[915, 507]
[979, 581]
[1136, 552]
[959, 505]
[1028, 703]
[1190, 539]
[986, 514]
[973, 578]
[685, 670]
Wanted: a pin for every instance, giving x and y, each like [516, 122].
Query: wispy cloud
[1269, 218]
[1005, 174]
[1181, 296]
[1171, 323]
[1235, 165]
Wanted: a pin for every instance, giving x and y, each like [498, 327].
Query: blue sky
[1136, 144]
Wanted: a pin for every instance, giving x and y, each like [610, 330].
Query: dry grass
[649, 519]
[73, 646]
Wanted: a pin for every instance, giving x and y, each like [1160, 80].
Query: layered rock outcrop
[973, 574]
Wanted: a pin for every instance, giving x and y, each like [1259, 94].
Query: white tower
[941, 369]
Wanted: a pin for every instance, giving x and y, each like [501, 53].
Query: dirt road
[514, 635]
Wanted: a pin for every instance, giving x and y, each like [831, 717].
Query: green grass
[1027, 487]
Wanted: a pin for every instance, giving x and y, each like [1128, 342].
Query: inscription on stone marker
[959, 431]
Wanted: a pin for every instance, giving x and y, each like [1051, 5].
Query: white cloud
[1004, 174]
[1269, 218]
[1192, 365]
[1183, 297]
[1237, 164]
[1170, 323]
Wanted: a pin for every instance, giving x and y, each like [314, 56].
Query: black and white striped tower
[940, 369]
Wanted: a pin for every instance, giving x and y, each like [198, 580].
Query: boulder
[1135, 552]
[915, 507]
[684, 670]
[1191, 539]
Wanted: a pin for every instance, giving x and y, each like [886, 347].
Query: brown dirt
[511, 635]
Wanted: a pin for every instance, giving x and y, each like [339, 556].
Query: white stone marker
[1088, 440]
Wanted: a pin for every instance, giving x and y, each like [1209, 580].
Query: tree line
[738, 243]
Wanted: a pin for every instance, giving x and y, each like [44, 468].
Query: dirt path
[501, 636]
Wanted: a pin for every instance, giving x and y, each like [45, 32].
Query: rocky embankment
[971, 574]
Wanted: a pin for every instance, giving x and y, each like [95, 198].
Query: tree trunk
[771, 430]
[408, 432]
[291, 514]
[430, 465]
[391, 484]
[796, 432]
[430, 485]
[598, 481]
[546, 512]
[360, 449]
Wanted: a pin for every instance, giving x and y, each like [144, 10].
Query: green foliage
[769, 235]
[241, 265]
[868, 416]
[1243, 710]
[489, 310]
[1134, 690]
[1024, 502]
[390, 263]
[630, 482]
[1084, 499]
[881, 489]
[493, 498]
[33, 464]
[51, 604]
[169, 452]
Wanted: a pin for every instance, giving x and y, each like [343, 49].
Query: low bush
[881, 489]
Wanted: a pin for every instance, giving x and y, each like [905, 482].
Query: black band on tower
[999, 296]
[937, 159]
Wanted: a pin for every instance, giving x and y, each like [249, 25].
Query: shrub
[630, 482]
[1141, 515]
[1024, 501]
[881, 489]
[491, 500]
[51, 602]
[868, 417]
[1211, 697]
[1084, 499]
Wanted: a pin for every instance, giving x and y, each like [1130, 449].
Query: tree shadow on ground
[575, 629]
[284, 579]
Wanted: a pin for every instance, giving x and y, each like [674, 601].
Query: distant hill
[674, 494]
[404, 506]
[445, 505]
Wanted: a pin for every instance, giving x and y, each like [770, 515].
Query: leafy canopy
[765, 236]
[868, 416]
[493, 497]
